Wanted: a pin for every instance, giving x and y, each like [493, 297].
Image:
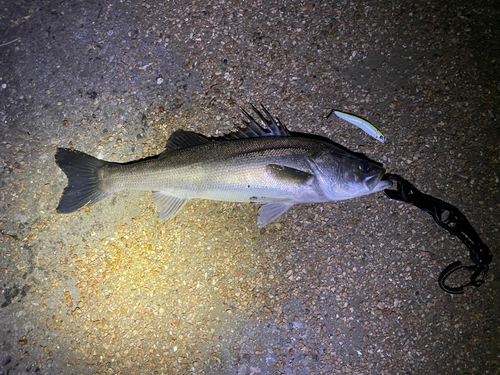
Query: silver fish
[255, 164]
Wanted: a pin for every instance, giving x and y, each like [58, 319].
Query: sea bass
[256, 164]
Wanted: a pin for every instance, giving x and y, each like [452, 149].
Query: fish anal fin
[168, 205]
[289, 175]
[271, 211]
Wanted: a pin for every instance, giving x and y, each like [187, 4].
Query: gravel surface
[345, 287]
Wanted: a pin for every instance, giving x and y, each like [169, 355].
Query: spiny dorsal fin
[252, 129]
[274, 128]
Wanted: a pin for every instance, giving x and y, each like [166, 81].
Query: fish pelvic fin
[82, 171]
[271, 211]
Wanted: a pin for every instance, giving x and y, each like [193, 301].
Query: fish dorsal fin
[183, 139]
[289, 175]
[252, 129]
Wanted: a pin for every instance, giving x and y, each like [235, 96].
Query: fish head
[344, 175]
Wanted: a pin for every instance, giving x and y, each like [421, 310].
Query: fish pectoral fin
[271, 211]
[289, 175]
[168, 205]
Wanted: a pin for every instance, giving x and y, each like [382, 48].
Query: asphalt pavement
[344, 287]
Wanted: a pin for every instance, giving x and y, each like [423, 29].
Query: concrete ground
[344, 287]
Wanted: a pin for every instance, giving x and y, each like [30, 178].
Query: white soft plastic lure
[364, 125]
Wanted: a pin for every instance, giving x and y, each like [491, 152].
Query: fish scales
[227, 171]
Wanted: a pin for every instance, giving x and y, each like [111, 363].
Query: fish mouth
[375, 183]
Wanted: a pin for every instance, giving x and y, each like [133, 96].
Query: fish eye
[364, 167]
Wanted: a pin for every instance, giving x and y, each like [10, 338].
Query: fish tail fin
[83, 180]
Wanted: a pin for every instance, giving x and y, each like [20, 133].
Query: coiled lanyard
[450, 218]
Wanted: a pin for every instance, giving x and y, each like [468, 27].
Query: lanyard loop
[477, 271]
[450, 218]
